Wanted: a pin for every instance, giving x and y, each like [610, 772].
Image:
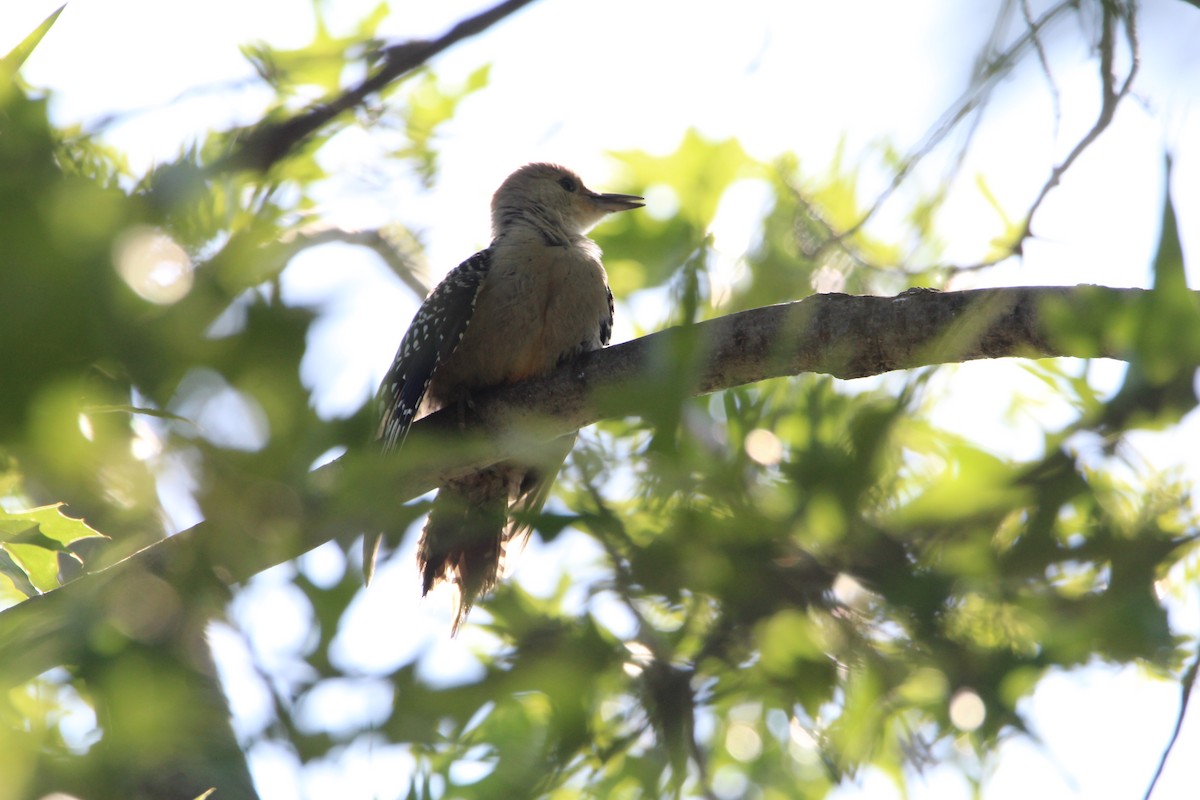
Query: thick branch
[841, 335]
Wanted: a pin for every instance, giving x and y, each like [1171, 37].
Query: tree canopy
[779, 578]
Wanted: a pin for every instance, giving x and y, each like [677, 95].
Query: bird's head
[554, 199]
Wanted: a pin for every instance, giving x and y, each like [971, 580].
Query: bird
[537, 297]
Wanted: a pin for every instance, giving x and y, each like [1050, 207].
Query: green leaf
[16, 57]
[974, 484]
[1009, 239]
[427, 105]
[1159, 385]
[46, 527]
[370, 23]
[319, 63]
[38, 563]
[686, 187]
[15, 572]
[698, 172]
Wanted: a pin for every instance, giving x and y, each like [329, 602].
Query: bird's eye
[568, 184]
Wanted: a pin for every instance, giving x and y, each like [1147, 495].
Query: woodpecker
[537, 297]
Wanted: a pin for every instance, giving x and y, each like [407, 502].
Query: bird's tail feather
[463, 540]
[469, 527]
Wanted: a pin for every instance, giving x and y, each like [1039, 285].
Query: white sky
[571, 81]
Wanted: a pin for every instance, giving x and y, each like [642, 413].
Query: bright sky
[571, 81]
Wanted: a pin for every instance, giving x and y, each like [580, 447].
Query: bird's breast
[537, 306]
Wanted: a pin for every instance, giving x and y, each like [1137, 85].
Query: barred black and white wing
[435, 332]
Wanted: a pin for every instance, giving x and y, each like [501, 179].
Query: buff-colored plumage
[537, 297]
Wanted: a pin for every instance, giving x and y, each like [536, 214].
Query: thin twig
[987, 74]
[1056, 99]
[975, 96]
[1185, 692]
[1111, 98]
[103, 123]
[400, 263]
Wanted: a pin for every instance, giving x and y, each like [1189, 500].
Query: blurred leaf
[1008, 240]
[1159, 385]
[47, 524]
[12, 62]
[17, 573]
[692, 179]
[39, 564]
[974, 483]
[321, 62]
[428, 105]
[698, 172]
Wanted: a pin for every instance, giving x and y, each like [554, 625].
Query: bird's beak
[609, 203]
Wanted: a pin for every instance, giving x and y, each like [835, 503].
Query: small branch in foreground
[841, 335]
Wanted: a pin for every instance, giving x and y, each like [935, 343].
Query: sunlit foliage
[790, 581]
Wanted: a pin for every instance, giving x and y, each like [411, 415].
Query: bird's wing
[433, 335]
[606, 325]
[435, 332]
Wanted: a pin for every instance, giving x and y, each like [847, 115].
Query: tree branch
[267, 145]
[841, 335]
